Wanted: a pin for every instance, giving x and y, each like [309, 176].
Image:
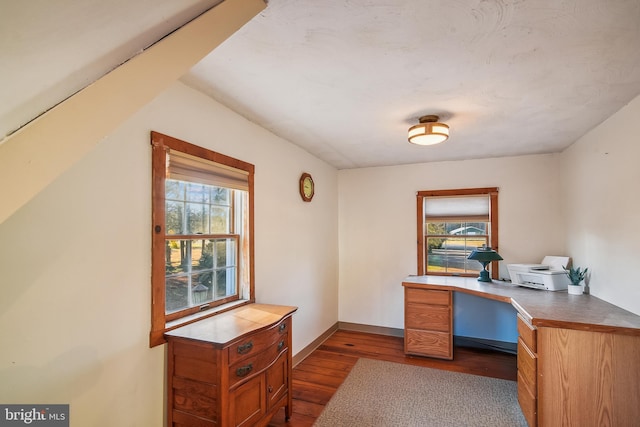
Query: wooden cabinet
[588, 378]
[233, 369]
[428, 323]
[569, 377]
[577, 356]
[527, 371]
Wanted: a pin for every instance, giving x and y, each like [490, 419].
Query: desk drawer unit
[428, 323]
[527, 371]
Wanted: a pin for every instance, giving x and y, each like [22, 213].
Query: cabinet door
[248, 402]
[277, 380]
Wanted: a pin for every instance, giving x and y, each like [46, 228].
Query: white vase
[574, 289]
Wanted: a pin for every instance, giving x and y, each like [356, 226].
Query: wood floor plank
[330, 378]
[317, 378]
[309, 392]
[332, 355]
[318, 367]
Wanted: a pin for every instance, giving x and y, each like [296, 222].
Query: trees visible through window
[202, 247]
[200, 270]
[451, 224]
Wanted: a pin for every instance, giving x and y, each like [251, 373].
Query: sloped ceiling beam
[39, 152]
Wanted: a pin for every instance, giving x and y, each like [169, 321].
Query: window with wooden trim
[202, 245]
[451, 224]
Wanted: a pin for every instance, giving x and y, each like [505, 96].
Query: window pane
[177, 256]
[220, 219]
[197, 218]
[197, 193]
[220, 196]
[199, 259]
[436, 228]
[482, 227]
[201, 288]
[176, 297]
[174, 190]
[225, 282]
[469, 228]
[473, 266]
[473, 242]
[174, 217]
[454, 227]
[225, 253]
[201, 294]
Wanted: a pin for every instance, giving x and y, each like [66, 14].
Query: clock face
[307, 189]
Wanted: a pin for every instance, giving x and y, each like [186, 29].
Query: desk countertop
[541, 308]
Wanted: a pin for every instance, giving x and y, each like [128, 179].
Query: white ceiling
[345, 79]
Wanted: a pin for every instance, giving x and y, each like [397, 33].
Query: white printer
[549, 275]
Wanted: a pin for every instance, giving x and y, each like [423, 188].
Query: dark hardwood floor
[316, 378]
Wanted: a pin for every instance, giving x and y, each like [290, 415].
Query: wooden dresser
[232, 369]
[577, 355]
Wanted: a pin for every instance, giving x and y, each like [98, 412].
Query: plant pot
[574, 289]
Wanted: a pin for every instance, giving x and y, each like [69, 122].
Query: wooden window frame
[160, 321]
[492, 192]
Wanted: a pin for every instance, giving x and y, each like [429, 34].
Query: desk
[578, 355]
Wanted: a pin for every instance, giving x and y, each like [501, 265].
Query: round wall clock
[307, 188]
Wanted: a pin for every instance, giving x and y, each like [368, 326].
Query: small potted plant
[576, 276]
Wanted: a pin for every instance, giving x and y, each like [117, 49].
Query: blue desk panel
[477, 317]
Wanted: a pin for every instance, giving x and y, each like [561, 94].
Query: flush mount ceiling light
[428, 132]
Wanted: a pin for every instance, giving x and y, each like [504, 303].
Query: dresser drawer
[193, 360]
[257, 362]
[431, 317]
[528, 334]
[528, 403]
[428, 343]
[258, 342]
[527, 367]
[427, 296]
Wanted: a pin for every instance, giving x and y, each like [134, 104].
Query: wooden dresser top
[541, 308]
[226, 327]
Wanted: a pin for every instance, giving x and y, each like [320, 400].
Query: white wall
[378, 224]
[75, 262]
[602, 200]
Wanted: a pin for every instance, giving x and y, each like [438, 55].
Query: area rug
[386, 394]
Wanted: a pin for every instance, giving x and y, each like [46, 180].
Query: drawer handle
[243, 371]
[282, 327]
[280, 345]
[270, 389]
[245, 348]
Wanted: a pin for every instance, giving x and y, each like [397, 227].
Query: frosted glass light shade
[428, 133]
